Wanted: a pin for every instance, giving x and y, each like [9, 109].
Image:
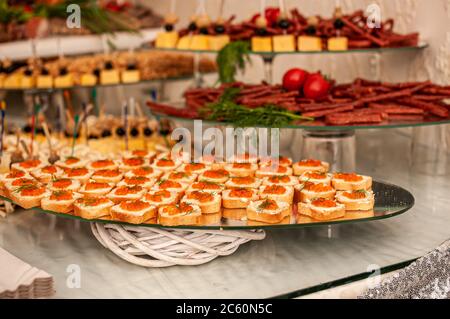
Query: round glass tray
[390, 201]
[271, 54]
[320, 125]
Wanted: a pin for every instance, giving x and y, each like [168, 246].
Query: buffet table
[285, 264]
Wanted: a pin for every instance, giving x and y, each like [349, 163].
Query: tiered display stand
[154, 245]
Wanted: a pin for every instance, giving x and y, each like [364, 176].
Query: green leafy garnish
[266, 203]
[226, 110]
[232, 58]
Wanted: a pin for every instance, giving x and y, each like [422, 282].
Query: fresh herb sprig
[227, 110]
[232, 58]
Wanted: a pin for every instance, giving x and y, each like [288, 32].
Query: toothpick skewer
[53, 157]
[125, 117]
[2, 131]
[33, 127]
[74, 136]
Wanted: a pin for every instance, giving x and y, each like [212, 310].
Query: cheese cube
[64, 81]
[199, 42]
[217, 42]
[338, 44]
[44, 81]
[184, 43]
[88, 79]
[309, 43]
[130, 76]
[12, 81]
[166, 40]
[109, 77]
[284, 43]
[27, 82]
[262, 44]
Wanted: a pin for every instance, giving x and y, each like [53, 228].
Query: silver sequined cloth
[426, 278]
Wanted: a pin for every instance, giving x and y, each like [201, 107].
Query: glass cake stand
[287, 263]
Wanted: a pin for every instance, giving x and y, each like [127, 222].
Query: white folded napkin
[20, 280]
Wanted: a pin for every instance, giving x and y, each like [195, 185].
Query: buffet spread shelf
[272, 54]
[314, 126]
[73, 45]
[287, 261]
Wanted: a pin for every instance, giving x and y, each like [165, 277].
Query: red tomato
[294, 79]
[272, 15]
[316, 86]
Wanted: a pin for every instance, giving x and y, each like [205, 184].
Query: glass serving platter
[390, 201]
[320, 125]
[37, 90]
[271, 54]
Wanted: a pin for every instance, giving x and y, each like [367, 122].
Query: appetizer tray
[390, 201]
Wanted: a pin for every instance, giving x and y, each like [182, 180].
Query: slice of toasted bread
[207, 207]
[256, 213]
[133, 217]
[305, 166]
[92, 212]
[357, 204]
[238, 202]
[344, 185]
[190, 218]
[287, 195]
[235, 213]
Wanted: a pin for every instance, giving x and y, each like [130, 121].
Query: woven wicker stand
[163, 247]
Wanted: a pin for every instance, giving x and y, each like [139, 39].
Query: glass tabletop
[286, 261]
[271, 54]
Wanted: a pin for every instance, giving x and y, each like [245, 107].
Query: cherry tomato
[316, 86]
[294, 79]
[272, 15]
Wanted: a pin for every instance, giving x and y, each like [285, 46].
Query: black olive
[168, 27]
[93, 136]
[148, 131]
[28, 72]
[63, 71]
[134, 132]
[192, 26]
[261, 31]
[27, 128]
[219, 29]
[67, 134]
[204, 30]
[40, 130]
[97, 72]
[164, 131]
[284, 24]
[131, 66]
[45, 71]
[106, 133]
[338, 24]
[109, 65]
[310, 30]
[120, 131]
